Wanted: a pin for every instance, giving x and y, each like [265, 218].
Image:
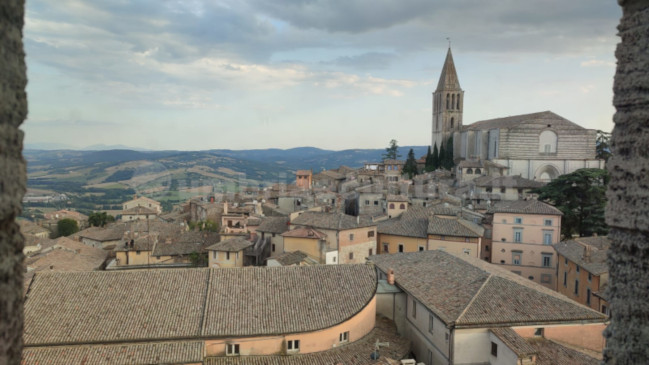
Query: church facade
[537, 146]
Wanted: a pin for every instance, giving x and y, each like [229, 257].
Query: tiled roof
[144, 353]
[574, 250]
[546, 117]
[253, 301]
[99, 306]
[470, 163]
[148, 200]
[514, 341]
[289, 258]
[31, 228]
[139, 210]
[455, 227]
[182, 304]
[531, 206]
[304, 232]
[334, 221]
[551, 353]
[397, 198]
[329, 174]
[394, 162]
[355, 353]
[177, 248]
[411, 223]
[448, 79]
[470, 292]
[515, 181]
[231, 245]
[113, 233]
[273, 225]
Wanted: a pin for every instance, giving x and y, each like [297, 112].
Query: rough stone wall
[628, 194]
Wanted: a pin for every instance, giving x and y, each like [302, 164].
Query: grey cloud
[365, 61]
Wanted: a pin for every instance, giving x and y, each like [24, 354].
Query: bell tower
[448, 103]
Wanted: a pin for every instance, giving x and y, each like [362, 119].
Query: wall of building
[277, 240]
[533, 226]
[568, 270]
[504, 355]
[423, 341]
[523, 142]
[395, 208]
[356, 250]
[587, 336]
[220, 259]
[472, 346]
[358, 326]
[410, 244]
[142, 203]
[313, 247]
[455, 245]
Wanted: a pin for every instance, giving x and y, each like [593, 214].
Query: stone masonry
[628, 193]
[13, 110]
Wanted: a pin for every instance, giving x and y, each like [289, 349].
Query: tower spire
[448, 79]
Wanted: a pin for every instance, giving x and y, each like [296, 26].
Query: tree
[447, 162]
[410, 167]
[392, 152]
[198, 259]
[442, 156]
[602, 145]
[100, 219]
[66, 227]
[428, 166]
[435, 158]
[581, 197]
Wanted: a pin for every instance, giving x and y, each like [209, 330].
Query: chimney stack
[391, 276]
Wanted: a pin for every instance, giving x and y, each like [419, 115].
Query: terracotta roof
[273, 225]
[148, 200]
[456, 227]
[398, 198]
[515, 181]
[182, 304]
[418, 221]
[335, 221]
[289, 258]
[546, 117]
[329, 174]
[31, 227]
[470, 292]
[122, 354]
[551, 353]
[100, 306]
[305, 232]
[514, 341]
[574, 250]
[279, 300]
[470, 163]
[113, 233]
[531, 206]
[394, 162]
[356, 353]
[231, 245]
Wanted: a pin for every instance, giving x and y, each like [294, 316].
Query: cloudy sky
[335, 74]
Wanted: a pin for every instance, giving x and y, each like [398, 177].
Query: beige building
[307, 240]
[299, 315]
[397, 204]
[143, 202]
[349, 239]
[582, 273]
[304, 179]
[522, 237]
[462, 310]
[271, 228]
[228, 253]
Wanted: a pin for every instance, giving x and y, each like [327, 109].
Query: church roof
[546, 117]
[448, 79]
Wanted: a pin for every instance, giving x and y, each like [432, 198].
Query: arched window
[452, 122]
[448, 100]
[458, 102]
[391, 205]
[452, 101]
[469, 171]
[548, 142]
[477, 171]
[402, 206]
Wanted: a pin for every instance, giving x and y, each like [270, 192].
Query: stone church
[537, 146]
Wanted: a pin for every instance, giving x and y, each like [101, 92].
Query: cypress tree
[410, 167]
[429, 161]
[442, 157]
[434, 159]
[448, 161]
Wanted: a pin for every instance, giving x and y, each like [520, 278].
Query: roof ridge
[206, 302]
[466, 308]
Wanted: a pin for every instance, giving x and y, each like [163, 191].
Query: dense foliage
[581, 197]
[100, 219]
[392, 151]
[410, 167]
[66, 227]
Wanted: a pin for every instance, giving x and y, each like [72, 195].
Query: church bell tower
[448, 103]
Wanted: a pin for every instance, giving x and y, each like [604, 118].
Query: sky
[333, 74]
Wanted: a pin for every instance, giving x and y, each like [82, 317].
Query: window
[517, 257]
[494, 349]
[213, 254]
[518, 235]
[531, 277]
[351, 255]
[518, 220]
[293, 346]
[469, 171]
[503, 190]
[577, 268]
[489, 190]
[232, 349]
[457, 106]
[466, 251]
[452, 103]
[477, 171]
[547, 237]
[401, 247]
[565, 279]
[351, 236]
[271, 246]
[414, 309]
[538, 332]
[376, 202]
[448, 101]
[431, 323]
[588, 296]
[137, 252]
[547, 260]
[385, 247]
[565, 261]
[547, 222]
[546, 279]
[227, 255]
[370, 233]
[486, 248]
[402, 206]
[344, 337]
[604, 309]
[452, 122]
[576, 287]
[430, 358]
[590, 277]
[421, 248]
[371, 253]
[391, 206]
[367, 202]
[548, 142]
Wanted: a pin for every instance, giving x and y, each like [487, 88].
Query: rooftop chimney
[391, 276]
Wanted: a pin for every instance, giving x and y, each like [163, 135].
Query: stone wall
[628, 193]
[13, 110]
